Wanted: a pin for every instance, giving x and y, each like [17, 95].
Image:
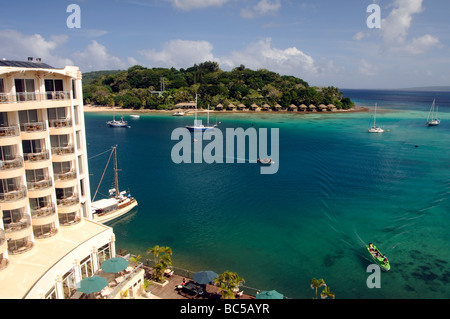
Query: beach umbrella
[114, 265]
[205, 277]
[93, 284]
[272, 294]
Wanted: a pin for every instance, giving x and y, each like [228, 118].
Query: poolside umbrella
[272, 294]
[114, 265]
[205, 277]
[93, 284]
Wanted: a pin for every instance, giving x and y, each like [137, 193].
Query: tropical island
[140, 88]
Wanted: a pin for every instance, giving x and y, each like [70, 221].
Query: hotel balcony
[60, 126]
[40, 188]
[18, 233]
[33, 131]
[12, 167]
[22, 97]
[64, 153]
[14, 199]
[10, 135]
[37, 160]
[67, 179]
[43, 220]
[3, 249]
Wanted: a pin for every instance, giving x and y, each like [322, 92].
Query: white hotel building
[48, 241]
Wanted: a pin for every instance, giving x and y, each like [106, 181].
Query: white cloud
[96, 57]
[18, 46]
[366, 68]
[263, 7]
[359, 36]
[180, 54]
[261, 54]
[196, 4]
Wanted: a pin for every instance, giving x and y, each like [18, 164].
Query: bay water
[337, 189]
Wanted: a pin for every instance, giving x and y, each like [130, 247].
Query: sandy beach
[98, 108]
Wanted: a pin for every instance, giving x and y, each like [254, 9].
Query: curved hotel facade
[48, 241]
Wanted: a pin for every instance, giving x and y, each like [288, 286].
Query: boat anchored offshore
[432, 116]
[117, 205]
[265, 161]
[375, 128]
[378, 257]
[115, 123]
[198, 126]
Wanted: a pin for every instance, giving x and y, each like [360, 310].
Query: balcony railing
[68, 201]
[13, 195]
[33, 127]
[60, 123]
[43, 211]
[63, 150]
[32, 96]
[36, 157]
[65, 176]
[39, 185]
[9, 131]
[15, 163]
[23, 223]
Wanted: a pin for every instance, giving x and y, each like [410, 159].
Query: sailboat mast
[375, 116]
[116, 179]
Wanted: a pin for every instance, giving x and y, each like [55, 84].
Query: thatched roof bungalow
[312, 108]
[231, 107]
[277, 107]
[255, 107]
[266, 107]
[322, 108]
[332, 107]
[292, 108]
[241, 107]
[303, 108]
[219, 107]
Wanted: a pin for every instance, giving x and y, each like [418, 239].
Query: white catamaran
[375, 128]
[118, 204]
[432, 116]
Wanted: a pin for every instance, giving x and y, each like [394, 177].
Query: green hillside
[141, 88]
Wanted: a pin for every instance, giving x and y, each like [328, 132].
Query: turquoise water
[336, 189]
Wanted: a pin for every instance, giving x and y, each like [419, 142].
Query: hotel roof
[23, 64]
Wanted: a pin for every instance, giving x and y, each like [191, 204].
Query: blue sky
[323, 42]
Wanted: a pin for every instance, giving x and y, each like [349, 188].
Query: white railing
[32, 96]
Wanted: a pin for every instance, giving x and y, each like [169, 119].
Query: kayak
[379, 258]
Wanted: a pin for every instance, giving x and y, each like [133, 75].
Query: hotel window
[58, 113]
[59, 140]
[10, 185]
[77, 117]
[74, 89]
[52, 88]
[4, 119]
[7, 153]
[2, 92]
[41, 202]
[78, 136]
[12, 216]
[62, 193]
[80, 165]
[30, 116]
[82, 187]
[36, 175]
[33, 146]
[62, 167]
[25, 90]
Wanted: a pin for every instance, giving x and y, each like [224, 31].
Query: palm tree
[316, 284]
[135, 259]
[155, 251]
[162, 260]
[227, 283]
[326, 292]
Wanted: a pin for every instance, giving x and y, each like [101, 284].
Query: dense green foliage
[137, 88]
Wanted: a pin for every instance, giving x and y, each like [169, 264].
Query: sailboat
[118, 204]
[197, 126]
[120, 123]
[375, 128]
[432, 116]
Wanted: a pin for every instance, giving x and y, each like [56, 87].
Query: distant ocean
[337, 189]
